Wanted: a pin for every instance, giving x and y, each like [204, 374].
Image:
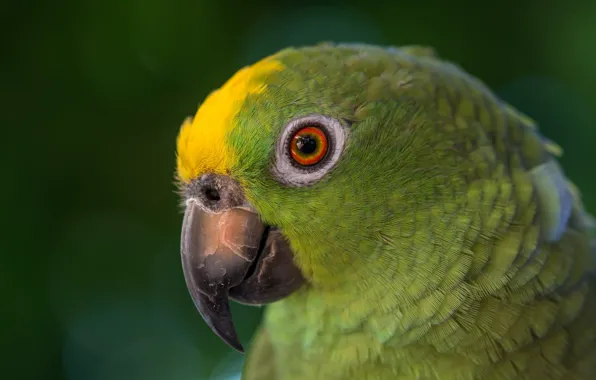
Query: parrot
[395, 218]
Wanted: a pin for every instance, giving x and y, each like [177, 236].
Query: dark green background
[92, 94]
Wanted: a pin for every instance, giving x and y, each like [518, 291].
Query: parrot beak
[227, 252]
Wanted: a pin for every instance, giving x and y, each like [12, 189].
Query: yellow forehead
[202, 142]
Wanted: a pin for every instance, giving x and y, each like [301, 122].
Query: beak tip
[229, 337]
[217, 315]
[238, 347]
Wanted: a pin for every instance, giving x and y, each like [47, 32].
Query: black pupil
[306, 144]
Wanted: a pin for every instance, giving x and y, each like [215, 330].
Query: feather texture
[447, 243]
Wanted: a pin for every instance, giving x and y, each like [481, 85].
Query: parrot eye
[309, 146]
[307, 149]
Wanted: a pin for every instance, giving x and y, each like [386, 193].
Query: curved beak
[232, 254]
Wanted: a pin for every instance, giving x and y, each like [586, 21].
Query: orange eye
[309, 146]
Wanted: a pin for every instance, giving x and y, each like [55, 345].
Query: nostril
[211, 194]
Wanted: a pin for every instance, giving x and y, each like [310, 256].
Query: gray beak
[228, 253]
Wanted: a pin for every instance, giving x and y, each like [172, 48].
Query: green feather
[445, 244]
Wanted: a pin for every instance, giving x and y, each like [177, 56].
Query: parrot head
[290, 180]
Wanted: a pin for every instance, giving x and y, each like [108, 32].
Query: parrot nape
[398, 218]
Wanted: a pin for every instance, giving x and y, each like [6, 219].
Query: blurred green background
[92, 94]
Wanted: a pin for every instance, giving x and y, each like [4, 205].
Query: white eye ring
[287, 171]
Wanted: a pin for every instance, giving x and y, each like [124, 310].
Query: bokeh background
[92, 93]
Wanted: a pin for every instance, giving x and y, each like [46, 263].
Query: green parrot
[398, 219]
